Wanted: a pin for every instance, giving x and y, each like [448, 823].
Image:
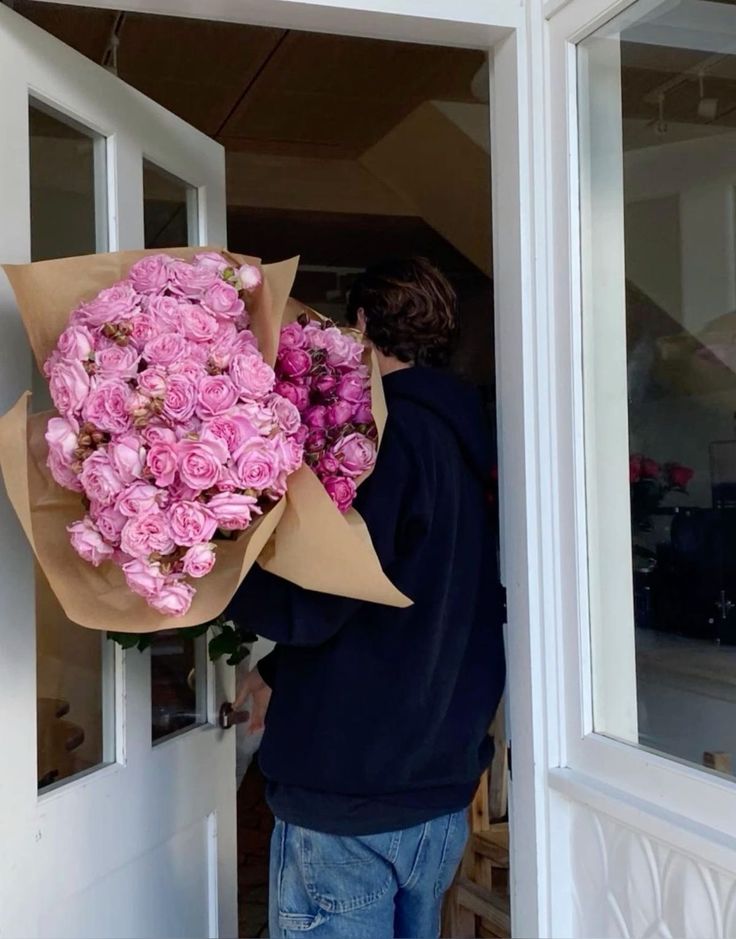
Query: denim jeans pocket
[453, 848]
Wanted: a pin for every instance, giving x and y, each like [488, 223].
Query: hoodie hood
[456, 403]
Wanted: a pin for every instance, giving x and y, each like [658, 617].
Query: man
[376, 731]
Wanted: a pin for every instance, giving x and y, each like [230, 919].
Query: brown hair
[410, 310]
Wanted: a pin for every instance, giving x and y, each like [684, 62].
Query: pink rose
[201, 462]
[69, 386]
[316, 417]
[165, 349]
[211, 259]
[198, 324]
[294, 363]
[342, 349]
[363, 412]
[222, 300]
[180, 399]
[152, 382]
[339, 413]
[162, 461]
[356, 454]
[351, 388]
[142, 329]
[165, 313]
[99, 478]
[232, 430]
[180, 492]
[109, 521]
[137, 498]
[301, 435]
[61, 436]
[117, 361]
[232, 510]
[199, 560]
[287, 414]
[216, 394]
[62, 471]
[191, 523]
[88, 542]
[150, 274]
[116, 303]
[190, 367]
[128, 457]
[192, 280]
[156, 433]
[250, 277]
[245, 342]
[107, 407]
[174, 599]
[341, 490]
[291, 454]
[325, 384]
[76, 342]
[297, 394]
[316, 441]
[328, 465]
[146, 534]
[259, 415]
[292, 337]
[252, 376]
[143, 577]
[257, 465]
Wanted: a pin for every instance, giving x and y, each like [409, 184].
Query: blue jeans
[364, 887]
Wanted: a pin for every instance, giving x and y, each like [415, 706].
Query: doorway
[341, 149]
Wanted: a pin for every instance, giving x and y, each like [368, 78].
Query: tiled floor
[255, 824]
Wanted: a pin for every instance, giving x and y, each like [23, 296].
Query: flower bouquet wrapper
[317, 546]
[98, 597]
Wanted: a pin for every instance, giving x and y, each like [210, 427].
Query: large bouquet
[169, 425]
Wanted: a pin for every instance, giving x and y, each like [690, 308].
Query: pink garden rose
[363, 412]
[115, 361]
[257, 464]
[61, 436]
[253, 377]
[109, 521]
[292, 337]
[163, 462]
[191, 523]
[232, 430]
[139, 497]
[211, 259]
[294, 363]
[76, 342]
[326, 383]
[88, 542]
[128, 457]
[107, 406]
[286, 414]
[316, 417]
[100, 479]
[297, 394]
[150, 274]
[192, 280]
[342, 350]
[165, 349]
[201, 462]
[165, 313]
[341, 490]
[197, 324]
[351, 388]
[174, 599]
[144, 577]
[158, 433]
[233, 511]
[69, 386]
[146, 534]
[62, 471]
[199, 560]
[222, 300]
[152, 381]
[216, 394]
[339, 413]
[180, 398]
[191, 367]
[116, 303]
[250, 277]
[356, 454]
[141, 329]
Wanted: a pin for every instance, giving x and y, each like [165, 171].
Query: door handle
[229, 717]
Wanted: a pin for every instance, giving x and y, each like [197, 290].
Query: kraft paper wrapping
[303, 538]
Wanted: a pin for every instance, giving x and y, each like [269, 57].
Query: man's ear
[360, 319]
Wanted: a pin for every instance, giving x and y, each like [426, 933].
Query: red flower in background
[678, 476]
[650, 469]
[635, 467]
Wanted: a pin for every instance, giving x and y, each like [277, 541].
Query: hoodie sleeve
[291, 615]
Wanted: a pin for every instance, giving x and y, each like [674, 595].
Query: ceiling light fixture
[707, 107]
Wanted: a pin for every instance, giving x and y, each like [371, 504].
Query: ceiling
[268, 90]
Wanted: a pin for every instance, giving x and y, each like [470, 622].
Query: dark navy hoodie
[379, 717]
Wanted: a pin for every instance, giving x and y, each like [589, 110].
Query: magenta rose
[253, 377]
[341, 490]
[339, 413]
[152, 382]
[316, 417]
[107, 407]
[232, 510]
[222, 300]
[363, 412]
[351, 388]
[316, 441]
[297, 394]
[146, 534]
[191, 523]
[109, 521]
[163, 461]
[216, 394]
[116, 303]
[250, 277]
[198, 324]
[180, 399]
[356, 454]
[69, 386]
[192, 280]
[174, 599]
[257, 465]
[137, 498]
[328, 465]
[144, 577]
[62, 472]
[100, 479]
[325, 384]
[294, 363]
[117, 361]
[128, 457]
[76, 342]
[88, 542]
[286, 414]
[199, 560]
[165, 349]
[292, 337]
[61, 436]
[150, 274]
[201, 462]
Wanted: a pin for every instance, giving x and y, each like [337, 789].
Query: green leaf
[125, 640]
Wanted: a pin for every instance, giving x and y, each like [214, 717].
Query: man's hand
[254, 686]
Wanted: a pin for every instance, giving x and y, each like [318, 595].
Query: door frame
[513, 35]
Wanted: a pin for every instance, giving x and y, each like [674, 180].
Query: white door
[110, 759]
